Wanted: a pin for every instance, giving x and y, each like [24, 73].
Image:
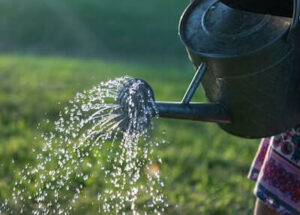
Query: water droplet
[84, 107]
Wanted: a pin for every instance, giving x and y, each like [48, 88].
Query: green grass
[204, 168]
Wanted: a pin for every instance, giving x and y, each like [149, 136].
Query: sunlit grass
[204, 168]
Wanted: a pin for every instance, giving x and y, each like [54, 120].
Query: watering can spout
[208, 112]
[139, 93]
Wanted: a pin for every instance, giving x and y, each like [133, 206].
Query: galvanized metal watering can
[248, 65]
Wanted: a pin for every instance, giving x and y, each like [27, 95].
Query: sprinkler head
[136, 105]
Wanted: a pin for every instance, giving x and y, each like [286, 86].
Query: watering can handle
[296, 17]
[194, 84]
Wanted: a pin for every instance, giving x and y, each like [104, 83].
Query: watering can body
[252, 65]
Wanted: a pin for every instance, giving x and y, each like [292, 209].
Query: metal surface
[136, 101]
[253, 65]
[212, 29]
[296, 19]
[193, 111]
[194, 84]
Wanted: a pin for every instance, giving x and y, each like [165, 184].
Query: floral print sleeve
[276, 170]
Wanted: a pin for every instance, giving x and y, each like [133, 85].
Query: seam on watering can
[259, 72]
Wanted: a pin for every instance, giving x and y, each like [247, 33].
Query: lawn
[53, 49]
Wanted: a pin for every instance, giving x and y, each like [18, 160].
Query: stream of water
[95, 141]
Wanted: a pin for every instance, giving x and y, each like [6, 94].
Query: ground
[53, 49]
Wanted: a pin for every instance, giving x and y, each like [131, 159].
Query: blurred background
[51, 49]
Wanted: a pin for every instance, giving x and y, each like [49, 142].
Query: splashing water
[96, 141]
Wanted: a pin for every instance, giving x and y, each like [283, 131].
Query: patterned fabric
[276, 170]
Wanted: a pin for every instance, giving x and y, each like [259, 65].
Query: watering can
[248, 65]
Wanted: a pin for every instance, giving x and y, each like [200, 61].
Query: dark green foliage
[131, 29]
